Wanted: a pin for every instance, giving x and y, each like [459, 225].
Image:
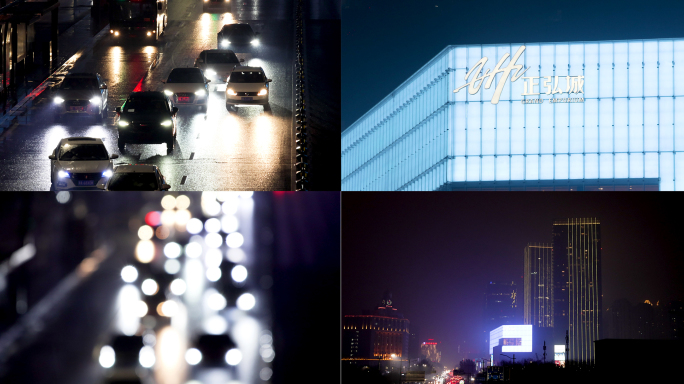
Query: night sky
[436, 252]
[384, 42]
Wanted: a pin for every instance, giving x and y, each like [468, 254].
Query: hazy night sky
[384, 42]
[437, 251]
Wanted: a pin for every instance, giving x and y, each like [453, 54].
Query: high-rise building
[577, 296]
[379, 339]
[430, 349]
[501, 308]
[538, 282]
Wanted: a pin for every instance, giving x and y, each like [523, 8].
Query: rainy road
[248, 150]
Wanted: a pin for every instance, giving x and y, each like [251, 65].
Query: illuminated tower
[577, 296]
[538, 285]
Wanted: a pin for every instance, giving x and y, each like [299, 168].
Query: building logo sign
[553, 84]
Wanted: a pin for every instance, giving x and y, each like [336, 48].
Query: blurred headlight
[193, 356]
[230, 92]
[58, 100]
[167, 123]
[96, 100]
[210, 72]
[63, 175]
[107, 356]
[201, 92]
[263, 92]
[107, 173]
[255, 42]
[116, 33]
[146, 356]
[149, 33]
[224, 43]
[168, 93]
[123, 123]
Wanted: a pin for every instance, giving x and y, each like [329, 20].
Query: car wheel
[121, 145]
[267, 107]
[169, 146]
[228, 108]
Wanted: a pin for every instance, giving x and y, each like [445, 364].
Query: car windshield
[134, 181]
[79, 83]
[127, 349]
[247, 77]
[238, 30]
[140, 105]
[185, 75]
[222, 58]
[72, 152]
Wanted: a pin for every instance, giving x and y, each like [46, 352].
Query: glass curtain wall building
[538, 278]
[566, 116]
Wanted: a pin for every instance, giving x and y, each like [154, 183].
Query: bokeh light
[212, 225]
[178, 287]
[194, 226]
[213, 258]
[144, 251]
[213, 274]
[129, 273]
[233, 356]
[193, 250]
[145, 232]
[235, 240]
[153, 218]
[229, 224]
[213, 240]
[193, 356]
[246, 302]
[172, 250]
[239, 273]
[172, 266]
[168, 202]
[149, 287]
[182, 202]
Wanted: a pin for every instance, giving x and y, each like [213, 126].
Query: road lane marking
[183, 180]
[192, 155]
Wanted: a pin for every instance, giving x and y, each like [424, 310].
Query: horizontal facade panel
[553, 111]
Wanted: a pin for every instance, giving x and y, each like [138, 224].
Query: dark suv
[147, 118]
[232, 36]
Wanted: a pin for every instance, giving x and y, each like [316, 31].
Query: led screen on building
[574, 115]
[512, 338]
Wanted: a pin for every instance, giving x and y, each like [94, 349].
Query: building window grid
[670, 160]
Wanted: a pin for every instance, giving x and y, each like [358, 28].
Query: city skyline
[437, 253]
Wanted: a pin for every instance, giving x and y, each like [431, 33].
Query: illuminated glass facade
[538, 285]
[579, 116]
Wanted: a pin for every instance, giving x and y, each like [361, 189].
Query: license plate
[85, 183]
[246, 99]
[79, 109]
[184, 99]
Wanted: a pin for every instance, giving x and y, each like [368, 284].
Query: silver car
[187, 86]
[80, 94]
[217, 64]
[80, 163]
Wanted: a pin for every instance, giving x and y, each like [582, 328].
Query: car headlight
[96, 100]
[107, 173]
[210, 72]
[230, 92]
[58, 100]
[193, 356]
[263, 92]
[167, 123]
[63, 175]
[201, 92]
[224, 43]
[168, 93]
[255, 42]
[123, 123]
[107, 356]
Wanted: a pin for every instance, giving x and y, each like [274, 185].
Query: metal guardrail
[302, 164]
